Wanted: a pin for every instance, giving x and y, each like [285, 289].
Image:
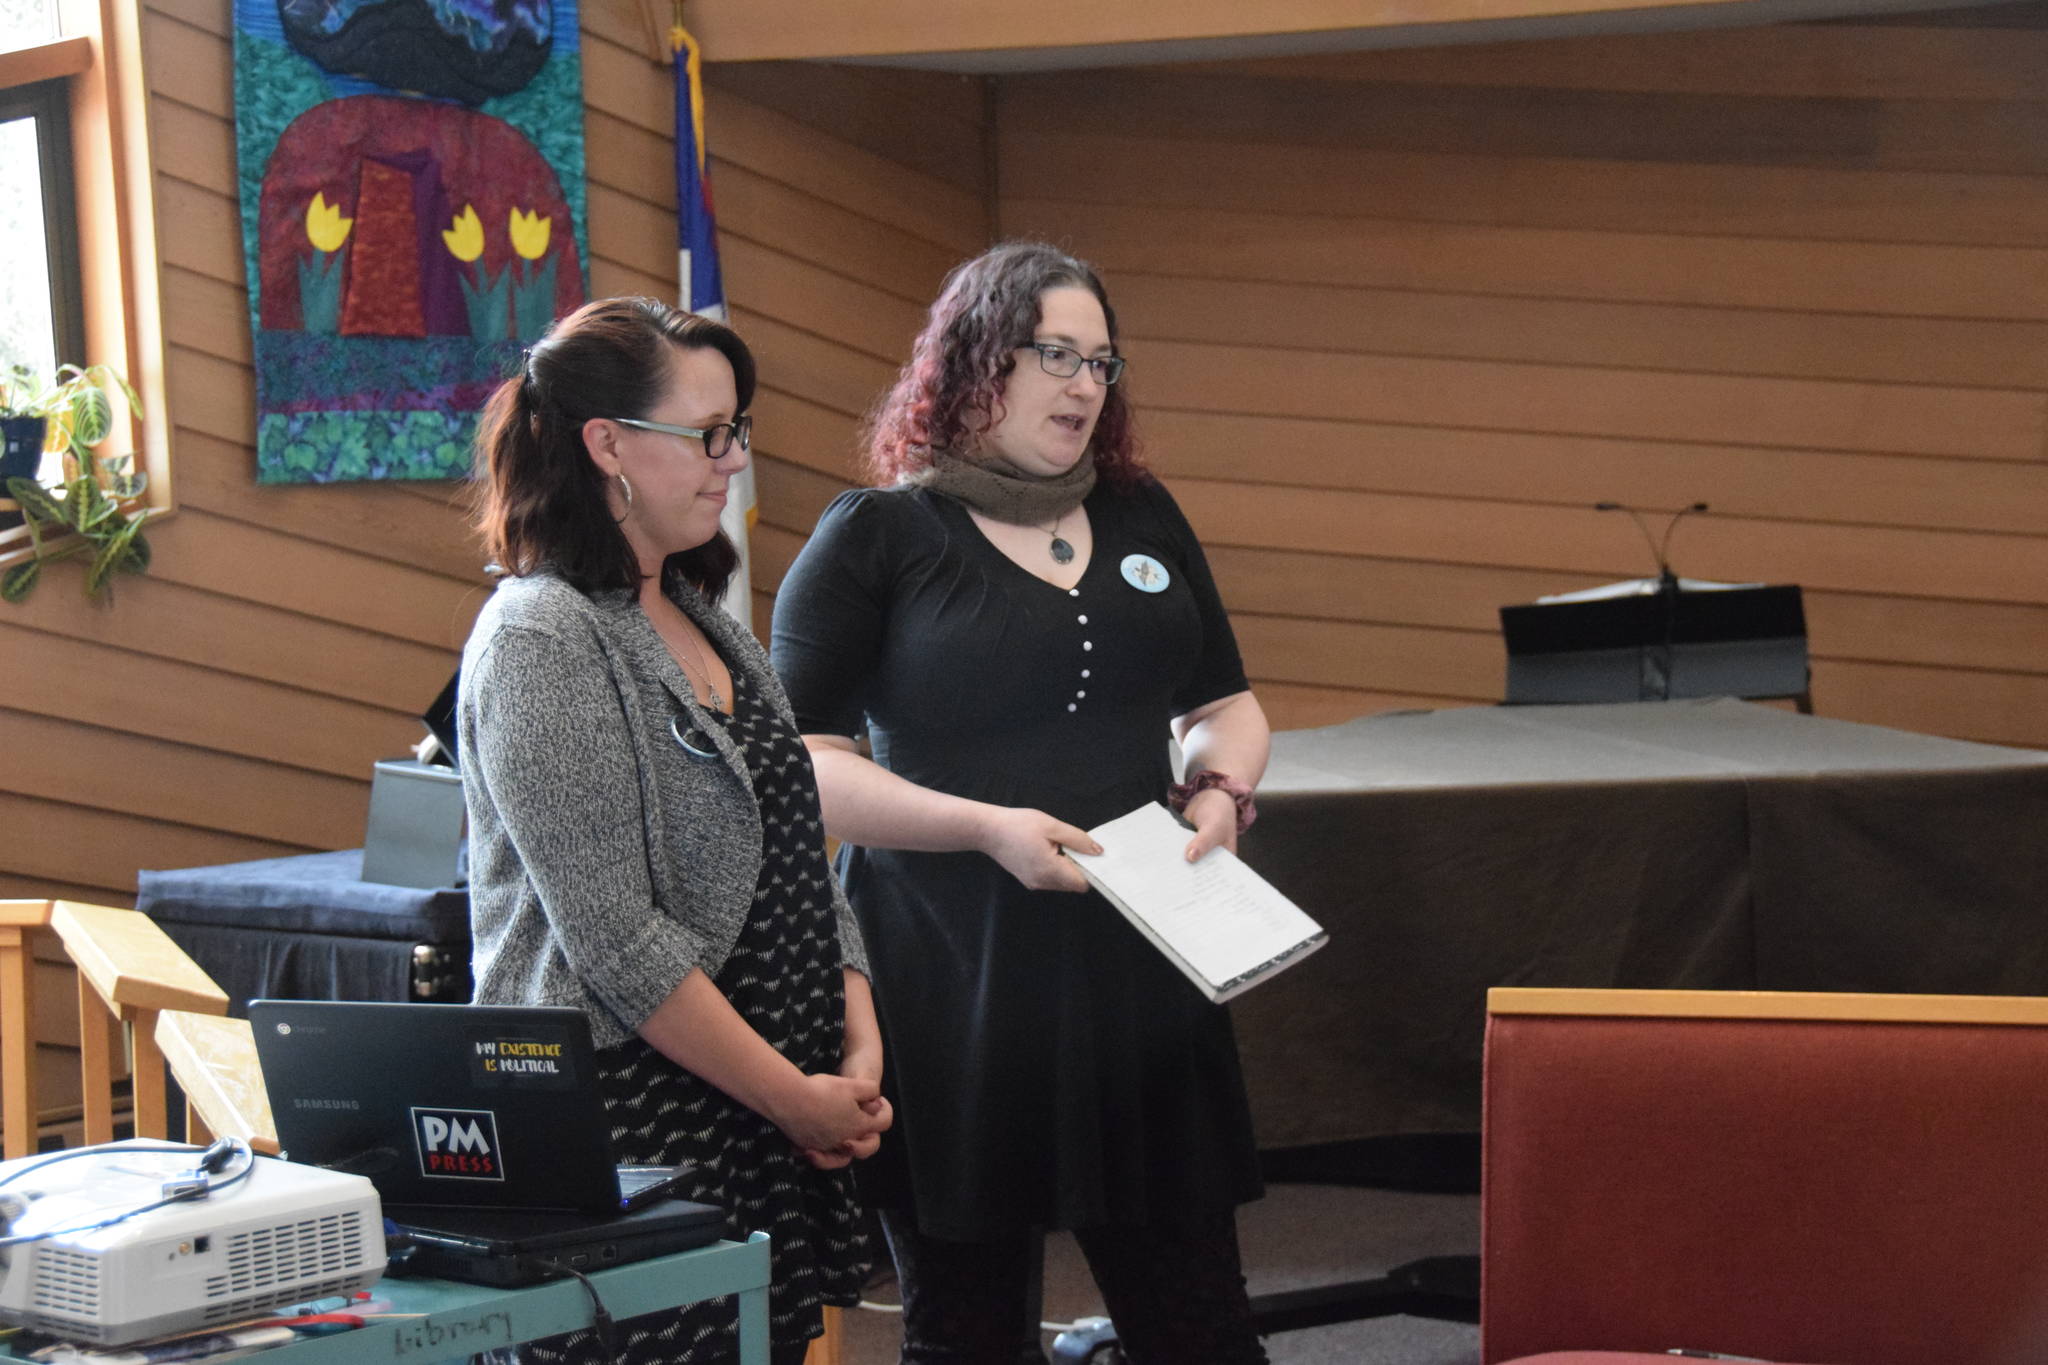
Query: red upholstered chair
[1848, 1179]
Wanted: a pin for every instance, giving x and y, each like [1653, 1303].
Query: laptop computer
[471, 1105]
[515, 1247]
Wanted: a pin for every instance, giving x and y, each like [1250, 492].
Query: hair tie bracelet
[1178, 795]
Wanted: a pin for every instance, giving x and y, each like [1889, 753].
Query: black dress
[784, 978]
[1048, 1067]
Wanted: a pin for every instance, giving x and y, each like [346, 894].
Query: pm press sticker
[1145, 573]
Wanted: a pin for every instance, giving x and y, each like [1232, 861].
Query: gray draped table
[1707, 844]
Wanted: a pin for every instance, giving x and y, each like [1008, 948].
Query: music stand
[1673, 641]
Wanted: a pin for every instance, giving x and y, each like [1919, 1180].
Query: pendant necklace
[717, 702]
[1062, 553]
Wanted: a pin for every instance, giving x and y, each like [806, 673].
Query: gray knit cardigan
[605, 860]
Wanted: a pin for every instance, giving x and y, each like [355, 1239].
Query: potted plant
[83, 513]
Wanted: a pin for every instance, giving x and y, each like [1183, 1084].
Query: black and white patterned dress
[784, 978]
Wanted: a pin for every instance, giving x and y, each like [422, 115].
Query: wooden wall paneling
[792, 427]
[84, 765]
[208, 316]
[934, 208]
[13, 887]
[1855, 277]
[638, 161]
[792, 497]
[829, 374]
[1782, 484]
[1860, 59]
[212, 395]
[1908, 563]
[760, 30]
[631, 231]
[1450, 663]
[194, 146]
[1991, 707]
[2005, 137]
[619, 80]
[1989, 636]
[209, 16]
[1959, 352]
[235, 559]
[87, 847]
[376, 520]
[1995, 708]
[927, 121]
[199, 230]
[774, 549]
[608, 279]
[135, 694]
[1656, 405]
[854, 314]
[797, 224]
[2001, 637]
[188, 64]
[1368, 588]
[1690, 198]
[251, 640]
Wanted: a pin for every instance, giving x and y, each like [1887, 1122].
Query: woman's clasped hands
[834, 1120]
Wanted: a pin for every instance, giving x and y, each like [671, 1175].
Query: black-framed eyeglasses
[1064, 362]
[718, 440]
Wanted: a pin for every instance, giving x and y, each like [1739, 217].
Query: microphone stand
[1657, 671]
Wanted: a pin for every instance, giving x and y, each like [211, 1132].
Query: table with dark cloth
[1711, 844]
[310, 928]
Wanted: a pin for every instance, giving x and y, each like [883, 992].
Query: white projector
[285, 1234]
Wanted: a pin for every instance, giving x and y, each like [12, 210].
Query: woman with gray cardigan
[645, 842]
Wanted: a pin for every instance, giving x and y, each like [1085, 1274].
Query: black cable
[600, 1317]
[13, 1176]
[181, 1197]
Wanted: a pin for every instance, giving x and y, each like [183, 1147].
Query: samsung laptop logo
[458, 1144]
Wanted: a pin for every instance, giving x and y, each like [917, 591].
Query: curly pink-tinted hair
[951, 392]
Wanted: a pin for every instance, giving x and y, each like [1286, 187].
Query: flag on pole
[701, 286]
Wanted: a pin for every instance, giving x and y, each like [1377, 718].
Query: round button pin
[1145, 573]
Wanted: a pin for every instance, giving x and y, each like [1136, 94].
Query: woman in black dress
[1016, 619]
[644, 826]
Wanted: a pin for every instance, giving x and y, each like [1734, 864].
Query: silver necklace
[1062, 552]
[717, 702]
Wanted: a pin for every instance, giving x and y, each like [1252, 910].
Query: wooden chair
[1790, 1176]
[214, 1059]
[19, 923]
[129, 972]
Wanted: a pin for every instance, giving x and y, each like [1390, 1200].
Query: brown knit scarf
[999, 490]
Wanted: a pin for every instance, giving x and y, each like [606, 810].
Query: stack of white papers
[1219, 922]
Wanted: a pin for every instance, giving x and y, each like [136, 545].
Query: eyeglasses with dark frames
[718, 440]
[1064, 362]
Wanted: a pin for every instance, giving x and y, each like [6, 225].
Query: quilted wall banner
[413, 215]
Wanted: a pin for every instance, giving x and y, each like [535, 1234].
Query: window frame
[48, 104]
[118, 317]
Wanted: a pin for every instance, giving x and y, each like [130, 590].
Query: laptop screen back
[476, 1105]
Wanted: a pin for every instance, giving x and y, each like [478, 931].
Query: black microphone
[1656, 668]
[1667, 581]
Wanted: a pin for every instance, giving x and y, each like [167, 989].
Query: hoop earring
[627, 488]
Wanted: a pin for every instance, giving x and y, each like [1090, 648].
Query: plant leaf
[15, 583]
[92, 505]
[111, 557]
[36, 501]
[92, 416]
